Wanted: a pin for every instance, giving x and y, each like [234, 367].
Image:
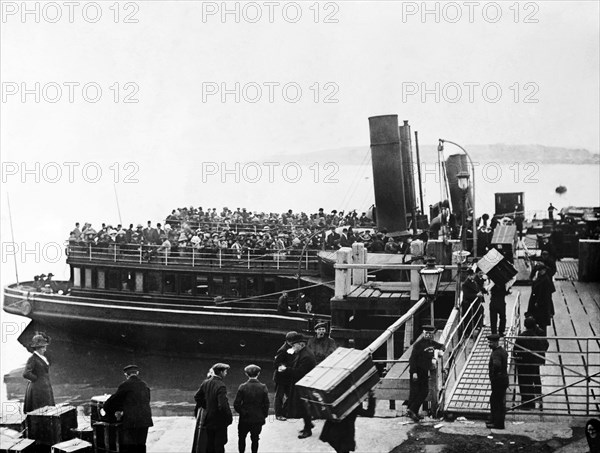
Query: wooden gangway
[571, 374]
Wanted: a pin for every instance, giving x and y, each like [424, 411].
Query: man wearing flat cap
[133, 400]
[499, 381]
[419, 365]
[321, 345]
[212, 399]
[252, 403]
[529, 354]
[302, 364]
[541, 306]
[283, 385]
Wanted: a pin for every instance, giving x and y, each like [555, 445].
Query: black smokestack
[388, 180]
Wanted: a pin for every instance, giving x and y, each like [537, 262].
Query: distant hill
[501, 153]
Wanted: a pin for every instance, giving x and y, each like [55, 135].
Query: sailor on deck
[419, 365]
[321, 344]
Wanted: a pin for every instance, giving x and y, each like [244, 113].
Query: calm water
[80, 371]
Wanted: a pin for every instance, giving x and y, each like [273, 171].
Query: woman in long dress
[39, 389]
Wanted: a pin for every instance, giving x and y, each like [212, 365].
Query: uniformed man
[133, 401]
[529, 353]
[419, 365]
[321, 344]
[499, 381]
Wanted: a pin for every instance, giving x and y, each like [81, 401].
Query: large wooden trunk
[96, 404]
[10, 445]
[496, 267]
[50, 425]
[336, 386]
[72, 446]
[107, 437]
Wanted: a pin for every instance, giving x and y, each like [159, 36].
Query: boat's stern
[18, 298]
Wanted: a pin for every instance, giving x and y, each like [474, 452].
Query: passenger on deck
[498, 308]
[321, 344]
[283, 305]
[419, 365]
[541, 306]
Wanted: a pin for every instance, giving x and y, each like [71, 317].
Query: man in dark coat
[283, 304]
[418, 367]
[498, 294]
[540, 305]
[283, 384]
[39, 389]
[304, 361]
[212, 398]
[529, 354]
[133, 400]
[471, 298]
[321, 344]
[252, 403]
[498, 375]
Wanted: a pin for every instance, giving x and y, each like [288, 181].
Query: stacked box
[85, 433]
[73, 445]
[107, 437]
[96, 404]
[50, 425]
[10, 445]
[336, 386]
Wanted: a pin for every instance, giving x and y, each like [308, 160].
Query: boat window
[235, 286]
[88, 278]
[154, 282]
[201, 285]
[76, 276]
[127, 281]
[217, 288]
[252, 289]
[100, 280]
[113, 279]
[169, 283]
[186, 284]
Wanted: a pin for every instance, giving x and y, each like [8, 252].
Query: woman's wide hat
[39, 340]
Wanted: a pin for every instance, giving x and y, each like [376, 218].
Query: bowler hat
[220, 367]
[493, 337]
[252, 370]
[530, 322]
[39, 340]
[130, 368]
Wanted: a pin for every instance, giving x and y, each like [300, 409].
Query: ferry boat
[201, 303]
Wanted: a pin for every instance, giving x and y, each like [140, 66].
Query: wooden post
[342, 276]
[359, 256]
[409, 327]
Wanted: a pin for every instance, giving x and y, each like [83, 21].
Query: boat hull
[145, 327]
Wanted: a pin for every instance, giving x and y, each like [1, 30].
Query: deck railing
[188, 256]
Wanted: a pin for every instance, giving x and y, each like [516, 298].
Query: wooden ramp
[569, 386]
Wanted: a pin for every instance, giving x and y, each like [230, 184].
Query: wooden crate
[10, 445]
[73, 445]
[96, 404]
[50, 425]
[336, 386]
[107, 437]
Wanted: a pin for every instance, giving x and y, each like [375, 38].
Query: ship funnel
[408, 174]
[388, 178]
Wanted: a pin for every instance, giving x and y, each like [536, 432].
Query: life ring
[26, 308]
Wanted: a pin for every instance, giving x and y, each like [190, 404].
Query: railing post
[342, 276]
[359, 256]
[193, 257]
[277, 258]
[166, 257]
[115, 252]
[90, 251]
[248, 258]
[141, 248]
[220, 259]
[307, 259]
[390, 351]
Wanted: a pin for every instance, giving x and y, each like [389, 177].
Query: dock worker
[418, 368]
[283, 385]
[498, 375]
[133, 400]
[529, 353]
[541, 306]
[302, 364]
[212, 398]
[321, 345]
[283, 305]
[252, 403]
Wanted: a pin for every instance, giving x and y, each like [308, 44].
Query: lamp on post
[431, 276]
[460, 257]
